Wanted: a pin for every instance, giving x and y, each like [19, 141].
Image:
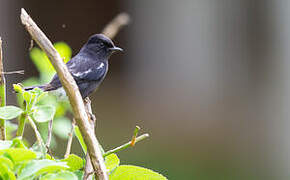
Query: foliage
[19, 161]
[22, 162]
[46, 72]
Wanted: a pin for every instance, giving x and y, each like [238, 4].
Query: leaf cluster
[23, 163]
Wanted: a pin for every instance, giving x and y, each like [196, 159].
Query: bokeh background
[208, 80]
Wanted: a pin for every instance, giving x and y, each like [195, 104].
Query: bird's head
[101, 46]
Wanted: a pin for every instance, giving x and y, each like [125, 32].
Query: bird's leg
[92, 117]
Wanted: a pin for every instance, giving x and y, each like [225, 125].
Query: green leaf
[18, 143]
[47, 156]
[7, 162]
[43, 113]
[64, 50]
[10, 128]
[61, 108]
[27, 96]
[5, 144]
[65, 175]
[128, 172]
[17, 88]
[80, 139]
[74, 162]
[61, 127]
[112, 161]
[18, 154]
[30, 82]
[9, 112]
[79, 174]
[40, 150]
[38, 167]
[37, 91]
[6, 173]
[42, 62]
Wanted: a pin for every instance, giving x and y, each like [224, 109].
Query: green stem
[38, 136]
[125, 146]
[21, 124]
[2, 94]
[2, 129]
[133, 141]
[2, 103]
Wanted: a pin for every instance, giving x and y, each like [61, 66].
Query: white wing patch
[79, 74]
[101, 66]
[82, 73]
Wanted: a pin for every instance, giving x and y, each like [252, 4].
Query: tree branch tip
[23, 12]
[124, 18]
[146, 135]
[23, 15]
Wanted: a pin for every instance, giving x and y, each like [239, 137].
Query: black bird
[88, 68]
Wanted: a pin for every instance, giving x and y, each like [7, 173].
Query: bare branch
[50, 123]
[70, 138]
[72, 92]
[14, 72]
[116, 24]
[125, 146]
[37, 134]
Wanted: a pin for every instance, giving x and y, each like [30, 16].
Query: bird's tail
[43, 87]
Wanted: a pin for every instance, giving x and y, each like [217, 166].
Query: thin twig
[125, 146]
[14, 72]
[50, 123]
[2, 94]
[116, 24]
[70, 139]
[34, 127]
[31, 45]
[38, 136]
[72, 92]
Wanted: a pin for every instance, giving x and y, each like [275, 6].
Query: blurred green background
[208, 80]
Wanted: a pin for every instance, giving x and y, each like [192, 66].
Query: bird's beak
[115, 48]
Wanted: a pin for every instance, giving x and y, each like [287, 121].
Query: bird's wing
[88, 71]
[82, 69]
